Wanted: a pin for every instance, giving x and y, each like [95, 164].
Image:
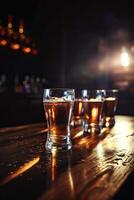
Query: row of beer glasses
[68, 108]
[94, 109]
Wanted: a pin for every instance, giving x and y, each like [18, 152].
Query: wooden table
[95, 168]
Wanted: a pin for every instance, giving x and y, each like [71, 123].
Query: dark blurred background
[78, 45]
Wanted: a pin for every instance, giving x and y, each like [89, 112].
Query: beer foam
[95, 100]
[92, 100]
[78, 100]
[110, 99]
[56, 99]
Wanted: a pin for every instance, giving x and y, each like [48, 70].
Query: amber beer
[93, 109]
[77, 114]
[58, 104]
[58, 114]
[108, 113]
[109, 107]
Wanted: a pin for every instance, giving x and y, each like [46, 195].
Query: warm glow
[100, 150]
[10, 22]
[107, 123]
[100, 160]
[17, 39]
[3, 42]
[21, 30]
[21, 170]
[80, 108]
[94, 113]
[110, 98]
[26, 49]
[71, 181]
[80, 133]
[53, 114]
[125, 59]
[123, 129]
[53, 166]
[21, 27]
[15, 46]
[10, 25]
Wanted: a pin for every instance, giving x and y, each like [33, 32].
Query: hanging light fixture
[14, 39]
[15, 45]
[26, 46]
[3, 40]
[3, 36]
[21, 32]
[17, 40]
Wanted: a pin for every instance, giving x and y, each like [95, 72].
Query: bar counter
[95, 168]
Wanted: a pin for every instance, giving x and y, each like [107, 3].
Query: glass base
[91, 129]
[76, 123]
[108, 122]
[58, 143]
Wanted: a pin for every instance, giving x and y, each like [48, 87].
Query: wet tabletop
[95, 168]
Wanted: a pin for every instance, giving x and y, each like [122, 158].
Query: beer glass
[109, 108]
[58, 104]
[78, 110]
[93, 104]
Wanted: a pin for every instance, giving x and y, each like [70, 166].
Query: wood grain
[95, 168]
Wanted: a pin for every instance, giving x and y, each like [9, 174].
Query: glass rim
[58, 93]
[58, 89]
[116, 90]
[110, 90]
[92, 90]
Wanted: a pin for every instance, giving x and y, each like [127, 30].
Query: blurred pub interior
[52, 44]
